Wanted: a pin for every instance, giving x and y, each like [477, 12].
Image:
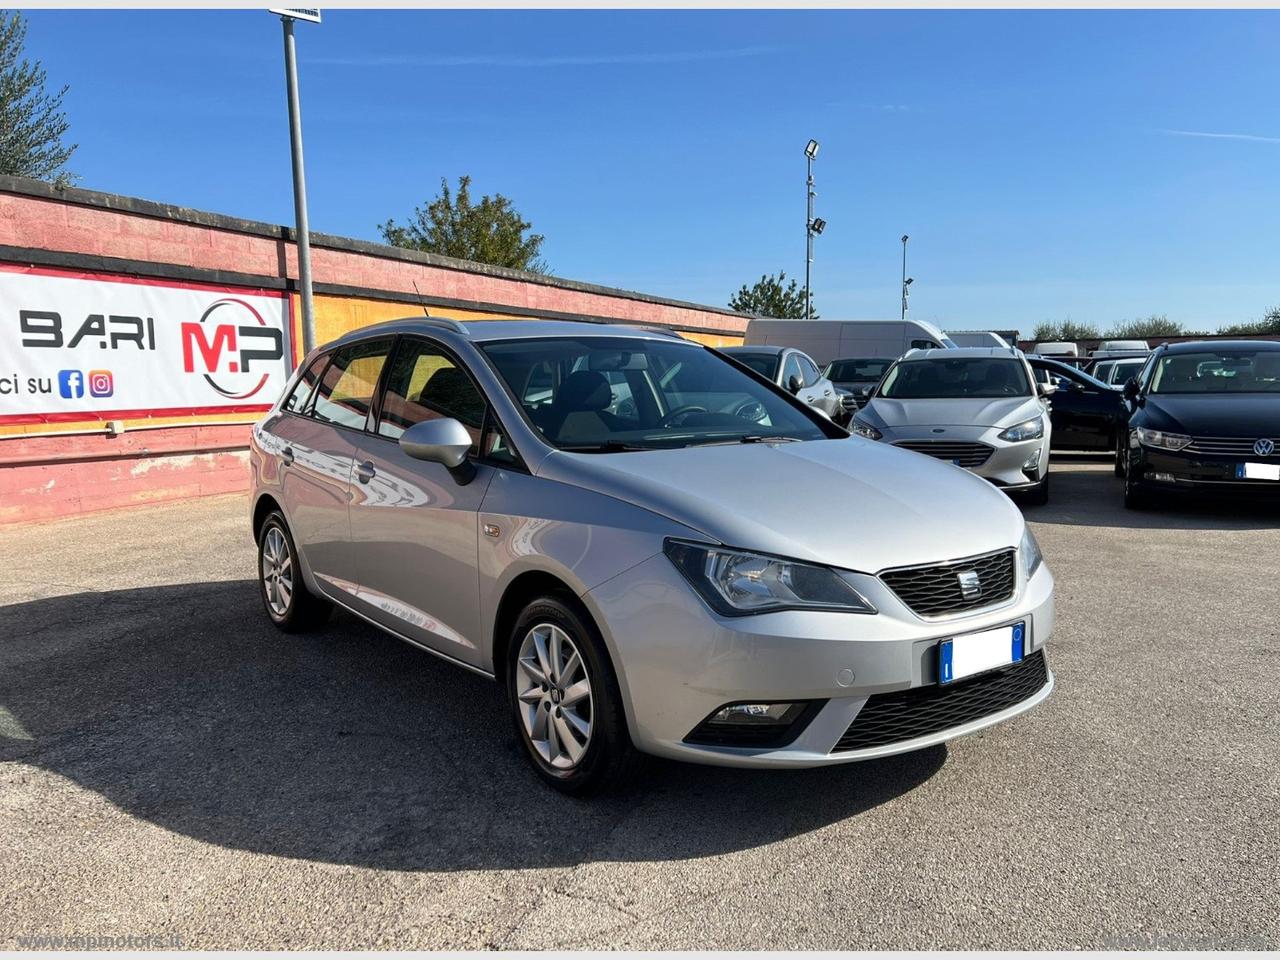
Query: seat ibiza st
[627, 530]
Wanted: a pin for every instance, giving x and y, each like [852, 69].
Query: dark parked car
[857, 375]
[1204, 416]
[1086, 413]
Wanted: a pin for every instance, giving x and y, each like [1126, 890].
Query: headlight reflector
[736, 583]
[1029, 551]
[1026, 430]
[865, 430]
[1162, 440]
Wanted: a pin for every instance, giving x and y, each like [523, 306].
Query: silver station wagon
[638, 539]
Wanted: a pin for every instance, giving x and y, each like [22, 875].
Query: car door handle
[286, 455]
[366, 472]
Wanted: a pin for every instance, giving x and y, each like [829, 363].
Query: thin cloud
[584, 60]
[1220, 136]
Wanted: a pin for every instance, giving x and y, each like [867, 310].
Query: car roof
[962, 353]
[1200, 346]
[484, 331]
[753, 348]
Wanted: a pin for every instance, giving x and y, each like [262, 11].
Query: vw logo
[1264, 447]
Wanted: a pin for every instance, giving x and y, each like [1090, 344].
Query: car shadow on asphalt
[183, 706]
[1080, 496]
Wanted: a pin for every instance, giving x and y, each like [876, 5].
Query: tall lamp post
[906, 281]
[302, 231]
[813, 227]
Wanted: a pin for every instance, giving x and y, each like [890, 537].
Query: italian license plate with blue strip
[972, 653]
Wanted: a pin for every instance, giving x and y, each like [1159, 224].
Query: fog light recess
[756, 724]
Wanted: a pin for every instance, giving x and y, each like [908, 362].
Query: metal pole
[905, 238]
[808, 238]
[302, 231]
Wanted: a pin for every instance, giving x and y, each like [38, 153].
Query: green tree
[769, 298]
[491, 231]
[1156, 325]
[1270, 323]
[32, 123]
[1066, 330]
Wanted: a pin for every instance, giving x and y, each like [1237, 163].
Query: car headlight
[1029, 551]
[865, 430]
[735, 583]
[1026, 430]
[1165, 441]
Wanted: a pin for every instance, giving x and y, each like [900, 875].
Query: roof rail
[445, 323]
[649, 328]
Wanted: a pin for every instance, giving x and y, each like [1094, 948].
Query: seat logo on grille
[1264, 447]
[970, 584]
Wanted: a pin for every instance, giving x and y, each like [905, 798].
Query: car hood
[999, 412]
[850, 503]
[1213, 415]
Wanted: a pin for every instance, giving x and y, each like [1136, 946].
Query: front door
[414, 528]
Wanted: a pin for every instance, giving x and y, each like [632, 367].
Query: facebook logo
[70, 384]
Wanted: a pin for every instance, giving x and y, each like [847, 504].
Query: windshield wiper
[608, 446]
[756, 438]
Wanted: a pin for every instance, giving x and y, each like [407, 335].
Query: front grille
[955, 451]
[906, 714]
[1241, 447]
[934, 591]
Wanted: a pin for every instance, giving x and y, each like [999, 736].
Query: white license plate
[1258, 471]
[978, 652]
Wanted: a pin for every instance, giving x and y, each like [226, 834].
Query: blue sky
[1032, 156]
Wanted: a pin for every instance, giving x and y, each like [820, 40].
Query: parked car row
[624, 529]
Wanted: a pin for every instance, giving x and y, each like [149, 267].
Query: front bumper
[1178, 472]
[1012, 466]
[678, 662]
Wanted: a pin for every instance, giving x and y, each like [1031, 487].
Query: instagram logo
[101, 383]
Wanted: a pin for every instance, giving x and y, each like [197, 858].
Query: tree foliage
[1270, 323]
[767, 297]
[1156, 325]
[32, 123]
[491, 231]
[1065, 330]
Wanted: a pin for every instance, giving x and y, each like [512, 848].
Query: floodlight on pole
[906, 282]
[302, 230]
[812, 227]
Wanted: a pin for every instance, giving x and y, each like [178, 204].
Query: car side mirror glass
[1131, 389]
[1047, 389]
[794, 384]
[444, 441]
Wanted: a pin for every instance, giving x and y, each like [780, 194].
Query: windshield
[605, 394]
[1214, 371]
[947, 379]
[857, 371]
[765, 364]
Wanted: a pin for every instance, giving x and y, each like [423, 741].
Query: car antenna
[420, 300]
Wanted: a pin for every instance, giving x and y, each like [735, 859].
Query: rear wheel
[565, 700]
[290, 605]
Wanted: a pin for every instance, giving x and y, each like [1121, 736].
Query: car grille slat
[906, 714]
[1231, 447]
[934, 591]
[959, 452]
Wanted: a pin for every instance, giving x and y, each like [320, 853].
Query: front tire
[290, 605]
[565, 701]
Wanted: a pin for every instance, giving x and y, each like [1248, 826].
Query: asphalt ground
[171, 766]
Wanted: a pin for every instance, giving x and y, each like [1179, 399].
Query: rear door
[415, 529]
[320, 442]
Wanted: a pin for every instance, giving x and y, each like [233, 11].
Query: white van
[978, 338]
[1120, 348]
[827, 340]
[1057, 348]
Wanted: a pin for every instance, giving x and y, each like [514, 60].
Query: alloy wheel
[554, 694]
[277, 571]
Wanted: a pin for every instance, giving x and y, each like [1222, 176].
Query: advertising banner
[78, 346]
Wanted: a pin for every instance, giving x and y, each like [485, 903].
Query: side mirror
[444, 441]
[1047, 389]
[1131, 389]
[794, 384]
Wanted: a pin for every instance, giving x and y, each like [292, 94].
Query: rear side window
[425, 383]
[345, 392]
[297, 402]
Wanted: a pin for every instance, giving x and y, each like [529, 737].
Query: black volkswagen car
[1204, 417]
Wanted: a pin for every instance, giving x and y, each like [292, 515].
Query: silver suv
[624, 529]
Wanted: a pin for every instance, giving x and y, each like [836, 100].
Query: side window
[345, 392]
[424, 383]
[791, 368]
[495, 445]
[297, 402]
[541, 385]
[809, 371]
[923, 345]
